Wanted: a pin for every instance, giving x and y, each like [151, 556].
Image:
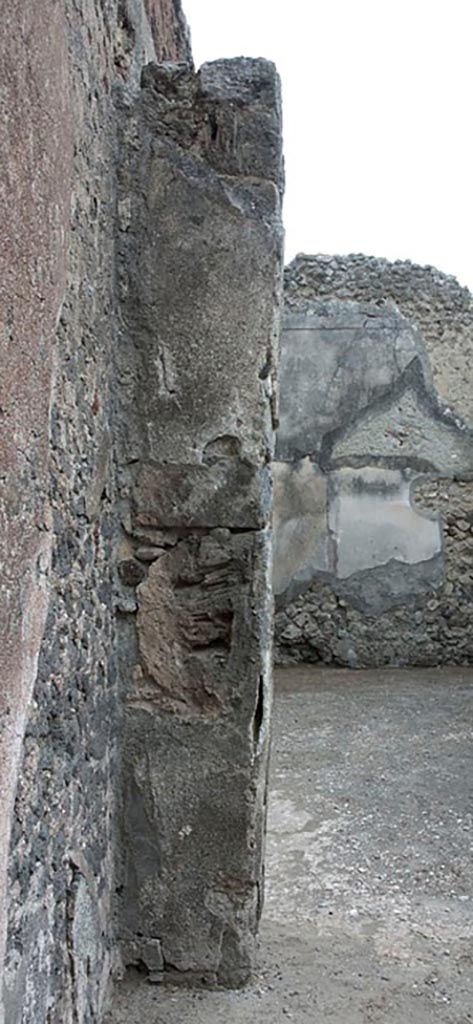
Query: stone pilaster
[200, 281]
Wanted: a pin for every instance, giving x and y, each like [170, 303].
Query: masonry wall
[61, 67]
[373, 508]
[141, 289]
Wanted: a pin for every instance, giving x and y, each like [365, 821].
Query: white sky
[378, 110]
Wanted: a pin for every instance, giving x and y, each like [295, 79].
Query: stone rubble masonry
[35, 184]
[200, 281]
[373, 512]
[61, 66]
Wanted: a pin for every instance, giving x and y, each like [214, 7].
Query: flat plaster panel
[372, 521]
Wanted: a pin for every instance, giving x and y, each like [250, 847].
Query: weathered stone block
[230, 493]
[243, 102]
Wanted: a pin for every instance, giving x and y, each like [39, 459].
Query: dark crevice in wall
[259, 713]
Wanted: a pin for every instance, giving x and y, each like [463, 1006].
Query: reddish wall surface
[170, 33]
[35, 184]
[59, 60]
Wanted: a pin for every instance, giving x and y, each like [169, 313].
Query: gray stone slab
[230, 493]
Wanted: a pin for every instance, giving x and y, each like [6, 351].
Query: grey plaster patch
[299, 524]
[336, 358]
[372, 521]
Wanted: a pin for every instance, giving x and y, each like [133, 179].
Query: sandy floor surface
[368, 915]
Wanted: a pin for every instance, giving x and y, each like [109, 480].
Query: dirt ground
[368, 914]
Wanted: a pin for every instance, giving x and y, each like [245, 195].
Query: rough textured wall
[373, 510]
[34, 197]
[200, 284]
[169, 30]
[60, 67]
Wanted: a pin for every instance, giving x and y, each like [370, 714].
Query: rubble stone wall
[62, 66]
[373, 508]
